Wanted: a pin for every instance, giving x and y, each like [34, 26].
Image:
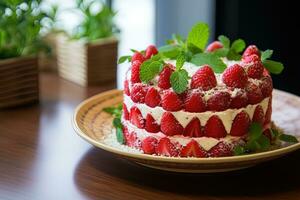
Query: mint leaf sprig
[257, 141]
[116, 112]
[210, 59]
[152, 67]
[232, 52]
[179, 78]
[272, 66]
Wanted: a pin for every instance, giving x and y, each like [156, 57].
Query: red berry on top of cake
[188, 100]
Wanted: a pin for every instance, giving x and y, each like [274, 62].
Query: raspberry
[204, 78]
[171, 101]
[235, 76]
[219, 101]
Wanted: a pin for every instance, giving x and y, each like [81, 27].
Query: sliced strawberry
[135, 72]
[255, 70]
[194, 102]
[149, 144]
[166, 148]
[266, 86]
[235, 76]
[136, 117]
[125, 112]
[131, 139]
[250, 50]
[138, 93]
[268, 112]
[192, 149]
[259, 115]
[169, 125]
[219, 101]
[240, 125]
[193, 129]
[214, 46]
[220, 150]
[151, 125]
[171, 101]
[152, 98]
[254, 94]
[137, 56]
[150, 51]
[164, 77]
[214, 128]
[126, 88]
[204, 78]
[239, 100]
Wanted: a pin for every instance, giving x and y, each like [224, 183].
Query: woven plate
[93, 125]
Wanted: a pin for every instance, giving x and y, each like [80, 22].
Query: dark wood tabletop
[42, 158]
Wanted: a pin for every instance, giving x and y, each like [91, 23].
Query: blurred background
[113, 27]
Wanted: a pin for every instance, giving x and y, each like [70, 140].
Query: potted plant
[89, 55]
[20, 25]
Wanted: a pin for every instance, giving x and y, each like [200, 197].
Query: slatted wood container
[19, 82]
[87, 63]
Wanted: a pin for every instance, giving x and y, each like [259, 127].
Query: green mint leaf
[170, 51]
[273, 66]
[198, 36]
[224, 40]
[120, 136]
[288, 138]
[116, 111]
[177, 39]
[149, 69]
[253, 146]
[123, 59]
[239, 150]
[221, 52]
[210, 59]
[266, 54]
[179, 81]
[117, 123]
[255, 131]
[232, 55]
[180, 61]
[194, 49]
[133, 50]
[238, 45]
[264, 143]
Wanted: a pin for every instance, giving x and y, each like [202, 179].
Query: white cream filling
[184, 117]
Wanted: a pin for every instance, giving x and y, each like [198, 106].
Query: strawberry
[125, 112]
[192, 149]
[131, 139]
[138, 92]
[214, 46]
[149, 144]
[254, 94]
[151, 125]
[214, 128]
[137, 56]
[136, 117]
[239, 100]
[164, 77]
[266, 72]
[150, 51]
[240, 125]
[204, 78]
[250, 50]
[219, 101]
[259, 115]
[266, 86]
[135, 72]
[193, 129]
[268, 112]
[220, 150]
[166, 148]
[171, 101]
[169, 125]
[194, 102]
[235, 76]
[255, 70]
[152, 98]
[126, 88]
[251, 59]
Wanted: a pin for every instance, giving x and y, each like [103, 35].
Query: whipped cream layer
[205, 142]
[183, 117]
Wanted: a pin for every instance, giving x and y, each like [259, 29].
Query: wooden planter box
[87, 63]
[19, 82]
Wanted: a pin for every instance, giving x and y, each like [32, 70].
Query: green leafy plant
[20, 26]
[95, 25]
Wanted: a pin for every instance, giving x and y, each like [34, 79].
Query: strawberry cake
[208, 119]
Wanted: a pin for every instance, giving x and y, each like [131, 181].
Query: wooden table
[42, 158]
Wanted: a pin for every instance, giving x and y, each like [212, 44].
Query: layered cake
[207, 117]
